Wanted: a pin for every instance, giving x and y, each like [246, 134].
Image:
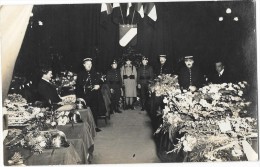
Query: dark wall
[74, 32]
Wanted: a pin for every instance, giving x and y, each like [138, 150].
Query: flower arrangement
[37, 140]
[15, 102]
[209, 121]
[66, 79]
[165, 83]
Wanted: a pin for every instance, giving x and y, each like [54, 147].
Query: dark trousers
[144, 94]
[115, 97]
[91, 98]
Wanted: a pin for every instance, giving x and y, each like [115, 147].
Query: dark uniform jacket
[48, 92]
[190, 77]
[85, 82]
[94, 98]
[163, 69]
[224, 78]
[114, 79]
[144, 74]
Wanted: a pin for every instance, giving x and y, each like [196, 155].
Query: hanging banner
[127, 34]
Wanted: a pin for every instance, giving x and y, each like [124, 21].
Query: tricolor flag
[106, 7]
[129, 4]
[139, 8]
[127, 34]
[150, 10]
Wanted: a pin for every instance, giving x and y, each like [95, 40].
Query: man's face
[48, 76]
[162, 60]
[87, 65]
[219, 67]
[189, 62]
[114, 66]
[128, 62]
[144, 62]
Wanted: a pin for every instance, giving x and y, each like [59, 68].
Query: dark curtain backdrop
[72, 32]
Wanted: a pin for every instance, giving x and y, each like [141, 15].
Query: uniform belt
[114, 82]
[128, 77]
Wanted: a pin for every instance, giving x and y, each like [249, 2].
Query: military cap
[188, 57]
[87, 59]
[114, 62]
[162, 55]
[145, 58]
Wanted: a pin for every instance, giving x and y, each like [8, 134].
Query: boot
[142, 106]
[117, 109]
[126, 107]
[112, 109]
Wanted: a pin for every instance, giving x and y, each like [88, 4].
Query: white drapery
[13, 23]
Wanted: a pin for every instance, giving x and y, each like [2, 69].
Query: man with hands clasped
[88, 88]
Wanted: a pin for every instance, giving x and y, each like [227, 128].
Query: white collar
[221, 72]
[45, 80]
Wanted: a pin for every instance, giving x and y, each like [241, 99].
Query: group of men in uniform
[88, 82]
[189, 77]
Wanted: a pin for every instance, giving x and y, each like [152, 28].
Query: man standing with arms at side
[114, 82]
[144, 74]
[88, 88]
[164, 67]
[190, 77]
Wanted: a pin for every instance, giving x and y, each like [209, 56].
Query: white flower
[53, 123]
[240, 93]
[204, 103]
[39, 138]
[166, 109]
[216, 96]
[48, 121]
[41, 114]
[224, 84]
[196, 116]
[165, 100]
[42, 144]
[244, 82]
[189, 143]
[37, 110]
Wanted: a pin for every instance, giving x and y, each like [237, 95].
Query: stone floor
[127, 138]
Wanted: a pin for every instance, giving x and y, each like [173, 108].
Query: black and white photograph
[97, 83]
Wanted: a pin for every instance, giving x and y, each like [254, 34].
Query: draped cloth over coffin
[82, 135]
[64, 156]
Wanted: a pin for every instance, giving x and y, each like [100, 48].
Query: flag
[139, 8]
[115, 5]
[128, 8]
[127, 34]
[105, 17]
[117, 15]
[106, 7]
[150, 10]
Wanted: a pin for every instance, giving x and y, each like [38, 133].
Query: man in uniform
[164, 67]
[190, 77]
[144, 74]
[114, 82]
[88, 88]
